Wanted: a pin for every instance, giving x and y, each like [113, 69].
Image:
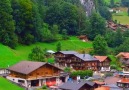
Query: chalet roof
[123, 54]
[75, 85]
[111, 80]
[86, 57]
[101, 58]
[103, 88]
[68, 52]
[124, 80]
[26, 67]
[111, 85]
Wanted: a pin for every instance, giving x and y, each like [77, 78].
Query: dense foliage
[30, 21]
[100, 45]
[82, 74]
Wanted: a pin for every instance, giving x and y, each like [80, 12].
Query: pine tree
[58, 48]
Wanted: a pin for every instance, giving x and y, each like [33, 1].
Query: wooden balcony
[43, 76]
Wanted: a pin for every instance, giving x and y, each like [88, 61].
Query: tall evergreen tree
[98, 26]
[7, 26]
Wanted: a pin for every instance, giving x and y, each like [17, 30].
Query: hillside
[9, 56]
[6, 85]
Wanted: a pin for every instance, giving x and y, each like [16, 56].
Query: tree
[58, 47]
[55, 32]
[112, 3]
[105, 13]
[37, 54]
[67, 69]
[64, 34]
[45, 34]
[100, 45]
[7, 26]
[98, 26]
[128, 10]
[123, 47]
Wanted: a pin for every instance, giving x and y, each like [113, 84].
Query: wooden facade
[44, 71]
[82, 61]
[28, 74]
[103, 63]
[75, 62]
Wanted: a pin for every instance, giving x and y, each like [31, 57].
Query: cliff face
[89, 6]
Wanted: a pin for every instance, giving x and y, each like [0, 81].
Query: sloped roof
[86, 57]
[124, 80]
[123, 54]
[26, 67]
[111, 80]
[103, 88]
[75, 85]
[68, 52]
[101, 58]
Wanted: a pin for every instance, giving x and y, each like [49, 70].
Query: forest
[30, 21]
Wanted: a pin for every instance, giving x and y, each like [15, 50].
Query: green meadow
[10, 56]
[6, 85]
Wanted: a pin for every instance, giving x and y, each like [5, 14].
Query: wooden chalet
[29, 74]
[123, 83]
[61, 57]
[75, 60]
[103, 63]
[124, 59]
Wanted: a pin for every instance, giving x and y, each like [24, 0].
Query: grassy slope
[6, 85]
[9, 56]
[122, 17]
[108, 1]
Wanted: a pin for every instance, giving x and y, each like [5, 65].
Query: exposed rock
[89, 6]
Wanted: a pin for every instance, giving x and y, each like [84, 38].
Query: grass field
[6, 85]
[108, 1]
[9, 56]
[121, 17]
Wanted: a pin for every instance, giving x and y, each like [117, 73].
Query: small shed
[83, 38]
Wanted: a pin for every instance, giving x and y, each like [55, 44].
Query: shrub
[44, 87]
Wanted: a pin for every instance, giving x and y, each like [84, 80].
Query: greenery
[115, 64]
[67, 69]
[37, 54]
[6, 85]
[58, 47]
[51, 60]
[82, 74]
[100, 45]
[44, 87]
[123, 47]
[98, 26]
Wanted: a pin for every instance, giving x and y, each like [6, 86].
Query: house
[124, 59]
[84, 62]
[29, 74]
[78, 85]
[83, 38]
[123, 83]
[4, 72]
[104, 63]
[75, 60]
[61, 57]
